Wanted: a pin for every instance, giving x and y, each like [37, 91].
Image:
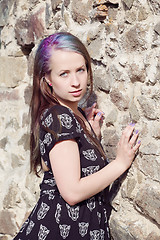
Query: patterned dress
[53, 218]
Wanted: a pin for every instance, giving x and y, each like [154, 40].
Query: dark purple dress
[53, 218]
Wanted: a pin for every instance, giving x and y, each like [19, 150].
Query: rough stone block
[157, 28]
[155, 6]
[29, 28]
[142, 14]
[12, 70]
[55, 3]
[136, 74]
[145, 164]
[7, 222]
[135, 39]
[12, 197]
[149, 107]
[134, 112]
[128, 3]
[5, 6]
[80, 10]
[120, 100]
[148, 201]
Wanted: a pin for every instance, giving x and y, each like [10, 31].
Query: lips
[76, 93]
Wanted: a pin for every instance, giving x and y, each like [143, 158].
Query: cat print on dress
[99, 217]
[47, 139]
[90, 170]
[64, 230]
[73, 212]
[95, 235]
[91, 203]
[58, 213]
[48, 120]
[78, 127]
[50, 193]
[51, 182]
[90, 154]
[42, 212]
[66, 120]
[42, 147]
[83, 228]
[24, 225]
[30, 227]
[43, 232]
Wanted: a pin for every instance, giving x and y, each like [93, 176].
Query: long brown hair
[42, 96]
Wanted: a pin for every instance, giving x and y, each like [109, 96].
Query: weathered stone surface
[128, 3]
[102, 79]
[142, 14]
[7, 222]
[12, 197]
[12, 95]
[136, 74]
[135, 39]
[150, 148]
[148, 201]
[121, 101]
[120, 231]
[111, 118]
[24, 141]
[155, 130]
[12, 70]
[155, 6]
[28, 95]
[131, 16]
[153, 236]
[145, 164]
[134, 113]
[110, 143]
[95, 49]
[66, 3]
[80, 10]
[55, 3]
[149, 107]
[157, 28]
[30, 28]
[124, 46]
[16, 161]
[3, 142]
[5, 6]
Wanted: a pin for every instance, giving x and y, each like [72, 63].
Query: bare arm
[65, 162]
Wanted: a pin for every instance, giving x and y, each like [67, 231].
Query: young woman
[65, 145]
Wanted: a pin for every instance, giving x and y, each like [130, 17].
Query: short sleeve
[57, 124]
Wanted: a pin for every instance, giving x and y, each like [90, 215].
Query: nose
[75, 80]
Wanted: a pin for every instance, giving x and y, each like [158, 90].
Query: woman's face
[68, 76]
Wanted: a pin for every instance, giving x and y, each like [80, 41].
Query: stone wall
[123, 38]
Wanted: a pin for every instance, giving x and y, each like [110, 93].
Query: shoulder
[56, 115]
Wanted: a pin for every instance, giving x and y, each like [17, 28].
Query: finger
[134, 137]
[136, 147]
[98, 117]
[127, 133]
[89, 111]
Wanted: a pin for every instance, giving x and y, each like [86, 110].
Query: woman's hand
[95, 117]
[127, 146]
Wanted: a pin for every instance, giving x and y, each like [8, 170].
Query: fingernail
[139, 142]
[131, 124]
[137, 131]
[99, 113]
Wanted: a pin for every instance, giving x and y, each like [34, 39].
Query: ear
[48, 80]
